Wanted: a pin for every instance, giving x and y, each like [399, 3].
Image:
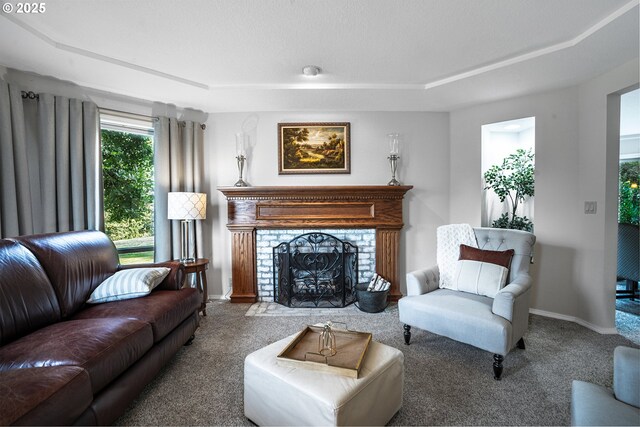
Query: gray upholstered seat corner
[593, 404]
[492, 324]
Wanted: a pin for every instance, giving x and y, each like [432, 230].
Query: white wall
[572, 165]
[556, 183]
[424, 164]
[598, 168]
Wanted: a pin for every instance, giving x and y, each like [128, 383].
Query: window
[127, 168]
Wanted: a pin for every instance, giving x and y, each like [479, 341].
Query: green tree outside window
[127, 166]
[629, 194]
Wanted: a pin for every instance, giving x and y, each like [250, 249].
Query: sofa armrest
[512, 299]
[173, 281]
[626, 375]
[422, 281]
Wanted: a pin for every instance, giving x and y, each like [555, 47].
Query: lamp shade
[182, 205]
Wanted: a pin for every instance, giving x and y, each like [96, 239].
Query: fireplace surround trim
[371, 206]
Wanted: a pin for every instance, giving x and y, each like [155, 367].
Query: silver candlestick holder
[393, 162]
[241, 182]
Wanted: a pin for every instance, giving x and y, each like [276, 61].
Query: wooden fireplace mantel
[371, 206]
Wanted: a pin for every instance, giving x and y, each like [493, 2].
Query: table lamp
[186, 207]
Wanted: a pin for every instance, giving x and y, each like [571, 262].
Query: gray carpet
[446, 382]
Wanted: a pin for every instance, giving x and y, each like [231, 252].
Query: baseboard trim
[598, 329]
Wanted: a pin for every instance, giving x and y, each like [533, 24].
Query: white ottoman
[279, 395]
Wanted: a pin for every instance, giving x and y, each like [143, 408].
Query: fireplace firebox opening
[315, 270]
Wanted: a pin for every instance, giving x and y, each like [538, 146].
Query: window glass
[127, 168]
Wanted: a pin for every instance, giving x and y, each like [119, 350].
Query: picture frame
[314, 148]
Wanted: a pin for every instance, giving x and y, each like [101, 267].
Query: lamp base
[393, 182]
[186, 260]
[241, 183]
[185, 241]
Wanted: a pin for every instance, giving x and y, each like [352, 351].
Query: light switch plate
[590, 207]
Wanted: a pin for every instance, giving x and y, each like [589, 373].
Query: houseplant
[513, 180]
[628, 208]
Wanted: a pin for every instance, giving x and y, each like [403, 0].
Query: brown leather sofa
[63, 361]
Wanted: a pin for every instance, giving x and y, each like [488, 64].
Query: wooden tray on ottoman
[303, 351]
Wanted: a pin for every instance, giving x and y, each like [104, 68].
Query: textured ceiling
[246, 55]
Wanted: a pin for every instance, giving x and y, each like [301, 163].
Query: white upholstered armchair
[474, 300]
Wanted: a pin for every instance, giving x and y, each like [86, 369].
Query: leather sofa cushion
[53, 395]
[104, 347]
[27, 299]
[76, 263]
[164, 310]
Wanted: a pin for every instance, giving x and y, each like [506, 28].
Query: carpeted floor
[446, 382]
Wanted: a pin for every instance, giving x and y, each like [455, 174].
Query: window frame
[130, 123]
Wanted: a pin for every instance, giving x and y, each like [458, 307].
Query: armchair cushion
[458, 315]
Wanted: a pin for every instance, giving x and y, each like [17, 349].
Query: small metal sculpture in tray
[303, 351]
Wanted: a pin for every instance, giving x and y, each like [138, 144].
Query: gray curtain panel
[178, 166]
[50, 164]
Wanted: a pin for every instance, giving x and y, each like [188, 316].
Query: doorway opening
[628, 255]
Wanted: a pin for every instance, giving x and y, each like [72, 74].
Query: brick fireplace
[298, 208]
[266, 240]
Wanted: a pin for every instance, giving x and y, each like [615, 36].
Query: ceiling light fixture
[311, 70]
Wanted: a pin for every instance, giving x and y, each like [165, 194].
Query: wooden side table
[199, 267]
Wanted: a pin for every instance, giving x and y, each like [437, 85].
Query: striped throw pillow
[129, 283]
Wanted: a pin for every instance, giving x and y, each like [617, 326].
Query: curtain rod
[33, 95]
[128, 114]
[137, 116]
[30, 95]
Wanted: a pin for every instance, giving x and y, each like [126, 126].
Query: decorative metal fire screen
[315, 270]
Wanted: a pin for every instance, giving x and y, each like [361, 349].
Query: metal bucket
[370, 302]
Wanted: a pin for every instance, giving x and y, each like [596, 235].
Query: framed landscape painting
[314, 148]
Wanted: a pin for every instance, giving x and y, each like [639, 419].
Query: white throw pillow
[128, 283]
[480, 278]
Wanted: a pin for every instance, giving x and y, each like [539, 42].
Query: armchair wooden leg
[497, 367]
[520, 344]
[407, 334]
[190, 340]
